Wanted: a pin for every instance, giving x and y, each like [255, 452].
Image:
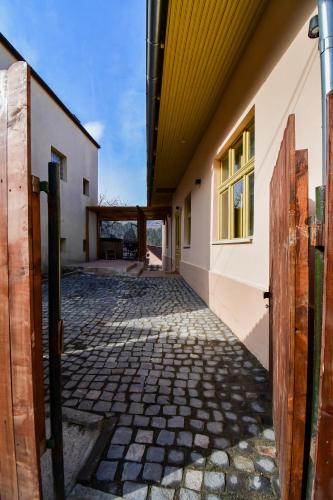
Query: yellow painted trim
[247, 167]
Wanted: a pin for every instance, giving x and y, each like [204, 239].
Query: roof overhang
[203, 42]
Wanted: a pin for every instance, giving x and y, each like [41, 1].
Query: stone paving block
[185, 438]
[201, 440]
[135, 452]
[158, 422]
[106, 471]
[155, 454]
[152, 472]
[122, 435]
[214, 481]
[158, 493]
[144, 436]
[260, 484]
[193, 479]
[166, 438]
[172, 476]
[176, 457]
[264, 464]
[243, 463]
[116, 451]
[197, 460]
[135, 491]
[131, 471]
[219, 459]
[186, 494]
[176, 422]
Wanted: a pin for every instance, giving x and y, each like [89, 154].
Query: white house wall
[51, 127]
[232, 277]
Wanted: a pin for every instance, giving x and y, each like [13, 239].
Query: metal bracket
[50, 443]
[44, 186]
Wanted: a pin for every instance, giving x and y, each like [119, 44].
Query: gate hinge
[44, 186]
[317, 234]
[38, 186]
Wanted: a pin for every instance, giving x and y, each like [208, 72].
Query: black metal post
[55, 334]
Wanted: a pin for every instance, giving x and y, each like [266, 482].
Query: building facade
[58, 136]
[218, 182]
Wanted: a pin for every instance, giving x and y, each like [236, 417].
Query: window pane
[251, 203]
[225, 168]
[238, 148]
[225, 215]
[238, 209]
[251, 140]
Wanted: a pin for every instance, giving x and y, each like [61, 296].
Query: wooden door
[21, 426]
[178, 252]
[289, 285]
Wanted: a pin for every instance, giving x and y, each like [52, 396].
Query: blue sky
[92, 54]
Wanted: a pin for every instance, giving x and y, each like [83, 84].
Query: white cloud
[95, 129]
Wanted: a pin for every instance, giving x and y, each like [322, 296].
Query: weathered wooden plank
[301, 325]
[289, 287]
[8, 473]
[323, 483]
[21, 281]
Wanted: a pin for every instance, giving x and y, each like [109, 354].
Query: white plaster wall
[51, 127]
[227, 276]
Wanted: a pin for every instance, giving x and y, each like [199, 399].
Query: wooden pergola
[140, 214]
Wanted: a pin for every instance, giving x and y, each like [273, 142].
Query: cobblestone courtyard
[193, 406]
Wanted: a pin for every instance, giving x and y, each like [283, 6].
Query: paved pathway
[193, 405]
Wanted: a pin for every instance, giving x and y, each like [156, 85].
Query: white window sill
[235, 241]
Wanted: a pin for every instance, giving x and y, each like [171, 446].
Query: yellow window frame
[244, 172]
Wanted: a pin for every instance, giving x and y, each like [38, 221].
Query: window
[57, 157]
[187, 221]
[85, 188]
[236, 187]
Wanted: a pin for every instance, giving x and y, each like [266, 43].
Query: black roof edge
[48, 90]
[156, 18]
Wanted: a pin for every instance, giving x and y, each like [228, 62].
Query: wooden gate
[22, 436]
[289, 286]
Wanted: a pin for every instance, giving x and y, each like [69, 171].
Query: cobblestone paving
[193, 405]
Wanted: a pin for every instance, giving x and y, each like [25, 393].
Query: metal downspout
[325, 18]
[156, 27]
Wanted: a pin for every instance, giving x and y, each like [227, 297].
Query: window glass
[238, 189]
[85, 188]
[225, 215]
[251, 203]
[225, 168]
[56, 158]
[238, 149]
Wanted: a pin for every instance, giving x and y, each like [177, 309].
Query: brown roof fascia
[48, 90]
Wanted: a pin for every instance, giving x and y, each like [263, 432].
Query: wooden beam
[8, 473]
[21, 281]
